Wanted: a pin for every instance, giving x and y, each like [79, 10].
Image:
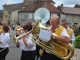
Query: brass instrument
[18, 28]
[0, 29]
[59, 49]
[15, 39]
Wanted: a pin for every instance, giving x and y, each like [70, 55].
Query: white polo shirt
[31, 45]
[4, 38]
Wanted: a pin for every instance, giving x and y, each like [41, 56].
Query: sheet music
[45, 35]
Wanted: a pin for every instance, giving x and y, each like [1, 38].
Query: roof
[77, 6]
[27, 2]
[33, 7]
[1, 11]
[44, 0]
[70, 10]
[1, 15]
[13, 7]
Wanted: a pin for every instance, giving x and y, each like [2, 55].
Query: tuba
[62, 50]
[59, 49]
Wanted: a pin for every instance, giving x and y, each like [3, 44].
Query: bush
[76, 43]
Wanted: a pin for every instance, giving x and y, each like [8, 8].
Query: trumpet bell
[18, 28]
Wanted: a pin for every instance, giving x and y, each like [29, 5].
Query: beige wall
[10, 16]
[1, 20]
[6, 16]
[23, 17]
[14, 17]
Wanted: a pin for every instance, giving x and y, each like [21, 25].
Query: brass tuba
[59, 49]
[62, 50]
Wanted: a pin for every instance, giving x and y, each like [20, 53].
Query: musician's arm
[64, 37]
[73, 37]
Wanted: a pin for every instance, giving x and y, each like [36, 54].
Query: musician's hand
[14, 41]
[23, 37]
[53, 35]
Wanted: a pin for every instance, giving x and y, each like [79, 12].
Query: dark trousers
[16, 44]
[37, 51]
[47, 56]
[3, 53]
[13, 28]
[28, 55]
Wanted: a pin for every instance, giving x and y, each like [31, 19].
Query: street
[14, 53]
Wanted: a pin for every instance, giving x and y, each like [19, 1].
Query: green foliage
[77, 41]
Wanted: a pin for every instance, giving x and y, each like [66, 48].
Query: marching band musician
[26, 45]
[4, 40]
[18, 31]
[64, 23]
[70, 32]
[62, 37]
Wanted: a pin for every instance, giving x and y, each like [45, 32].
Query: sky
[68, 3]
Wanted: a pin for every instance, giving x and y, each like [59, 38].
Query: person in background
[4, 40]
[70, 31]
[13, 26]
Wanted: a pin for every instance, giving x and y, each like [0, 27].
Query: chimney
[5, 4]
[61, 5]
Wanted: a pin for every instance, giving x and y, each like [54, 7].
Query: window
[22, 15]
[6, 16]
[9, 16]
[76, 17]
[63, 15]
[69, 17]
[30, 16]
[9, 12]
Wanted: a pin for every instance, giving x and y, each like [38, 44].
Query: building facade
[71, 14]
[27, 13]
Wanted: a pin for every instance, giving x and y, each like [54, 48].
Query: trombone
[15, 39]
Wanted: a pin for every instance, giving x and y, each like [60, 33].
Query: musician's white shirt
[4, 38]
[31, 45]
